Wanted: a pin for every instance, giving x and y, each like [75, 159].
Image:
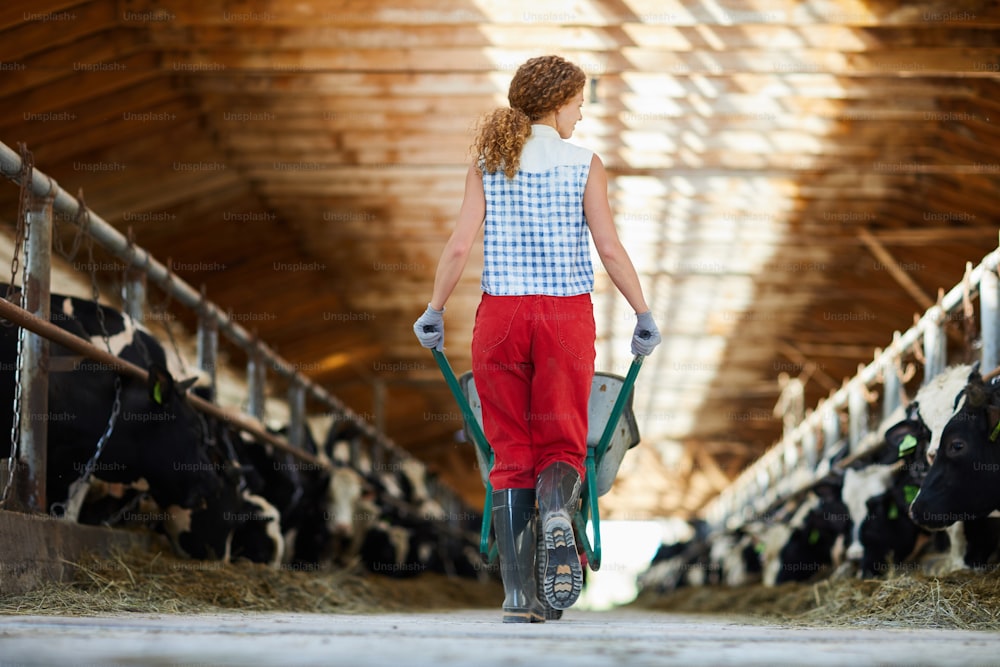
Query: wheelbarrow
[612, 430]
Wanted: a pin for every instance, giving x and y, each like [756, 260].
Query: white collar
[539, 130]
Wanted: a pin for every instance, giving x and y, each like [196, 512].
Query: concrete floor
[477, 638]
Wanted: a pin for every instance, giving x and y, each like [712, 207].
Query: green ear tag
[910, 492]
[759, 548]
[893, 512]
[814, 536]
[158, 393]
[908, 445]
[995, 433]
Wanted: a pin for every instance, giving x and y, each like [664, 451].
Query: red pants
[533, 364]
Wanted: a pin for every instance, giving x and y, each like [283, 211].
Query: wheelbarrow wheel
[551, 613]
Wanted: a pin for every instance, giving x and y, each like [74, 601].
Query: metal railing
[211, 320]
[802, 457]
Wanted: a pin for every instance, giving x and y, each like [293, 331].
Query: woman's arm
[609, 247]
[456, 251]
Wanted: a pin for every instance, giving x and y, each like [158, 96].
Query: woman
[533, 340]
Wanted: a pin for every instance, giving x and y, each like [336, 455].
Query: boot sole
[563, 579]
[550, 613]
[510, 616]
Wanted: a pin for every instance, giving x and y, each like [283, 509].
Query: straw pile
[962, 600]
[158, 582]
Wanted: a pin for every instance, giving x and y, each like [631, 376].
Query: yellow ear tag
[158, 393]
[908, 444]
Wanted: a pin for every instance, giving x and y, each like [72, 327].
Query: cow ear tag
[908, 444]
[994, 413]
[158, 393]
[893, 512]
[814, 536]
[910, 492]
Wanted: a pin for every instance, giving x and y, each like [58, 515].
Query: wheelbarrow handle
[471, 423]
[619, 406]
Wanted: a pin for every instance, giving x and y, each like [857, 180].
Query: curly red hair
[539, 86]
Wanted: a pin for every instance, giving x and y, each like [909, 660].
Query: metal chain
[162, 310]
[24, 233]
[116, 409]
[82, 223]
[78, 489]
[131, 505]
[95, 291]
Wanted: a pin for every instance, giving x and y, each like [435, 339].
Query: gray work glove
[646, 336]
[429, 328]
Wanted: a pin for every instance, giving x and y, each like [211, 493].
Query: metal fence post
[256, 377]
[989, 318]
[935, 346]
[354, 447]
[809, 444]
[379, 391]
[890, 385]
[297, 414]
[857, 414]
[831, 430]
[208, 346]
[134, 295]
[34, 360]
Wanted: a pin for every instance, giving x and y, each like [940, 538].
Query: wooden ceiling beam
[611, 87]
[81, 86]
[924, 61]
[268, 133]
[276, 13]
[82, 115]
[32, 35]
[165, 120]
[99, 56]
[592, 38]
[18, 12]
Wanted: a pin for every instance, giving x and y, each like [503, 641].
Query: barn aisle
[581, 639]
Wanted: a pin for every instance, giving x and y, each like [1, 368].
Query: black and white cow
[878, 496]
[679, 564]
[236, 522]
[959, 493]
[937, 399]
[299, 490]
[735, 556]
[813, 540]
[157, 437]
[963, 482]
[350, 512]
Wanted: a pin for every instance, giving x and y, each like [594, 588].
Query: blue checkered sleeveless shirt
[536, 239]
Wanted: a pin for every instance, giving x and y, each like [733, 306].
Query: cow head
[878, 494]
[962, 481]
[174, 455]
[908, 441]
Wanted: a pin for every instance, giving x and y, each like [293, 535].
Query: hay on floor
[962, 600]
[158, 582]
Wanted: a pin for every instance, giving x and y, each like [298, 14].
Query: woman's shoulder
[580, 154]
[544, 155]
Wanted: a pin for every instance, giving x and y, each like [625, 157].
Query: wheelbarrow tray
[604, 391]
[611, 431]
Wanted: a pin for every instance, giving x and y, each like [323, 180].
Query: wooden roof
[794, 180]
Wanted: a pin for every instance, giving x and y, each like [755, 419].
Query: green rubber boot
[514, 523]
[558, 492]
